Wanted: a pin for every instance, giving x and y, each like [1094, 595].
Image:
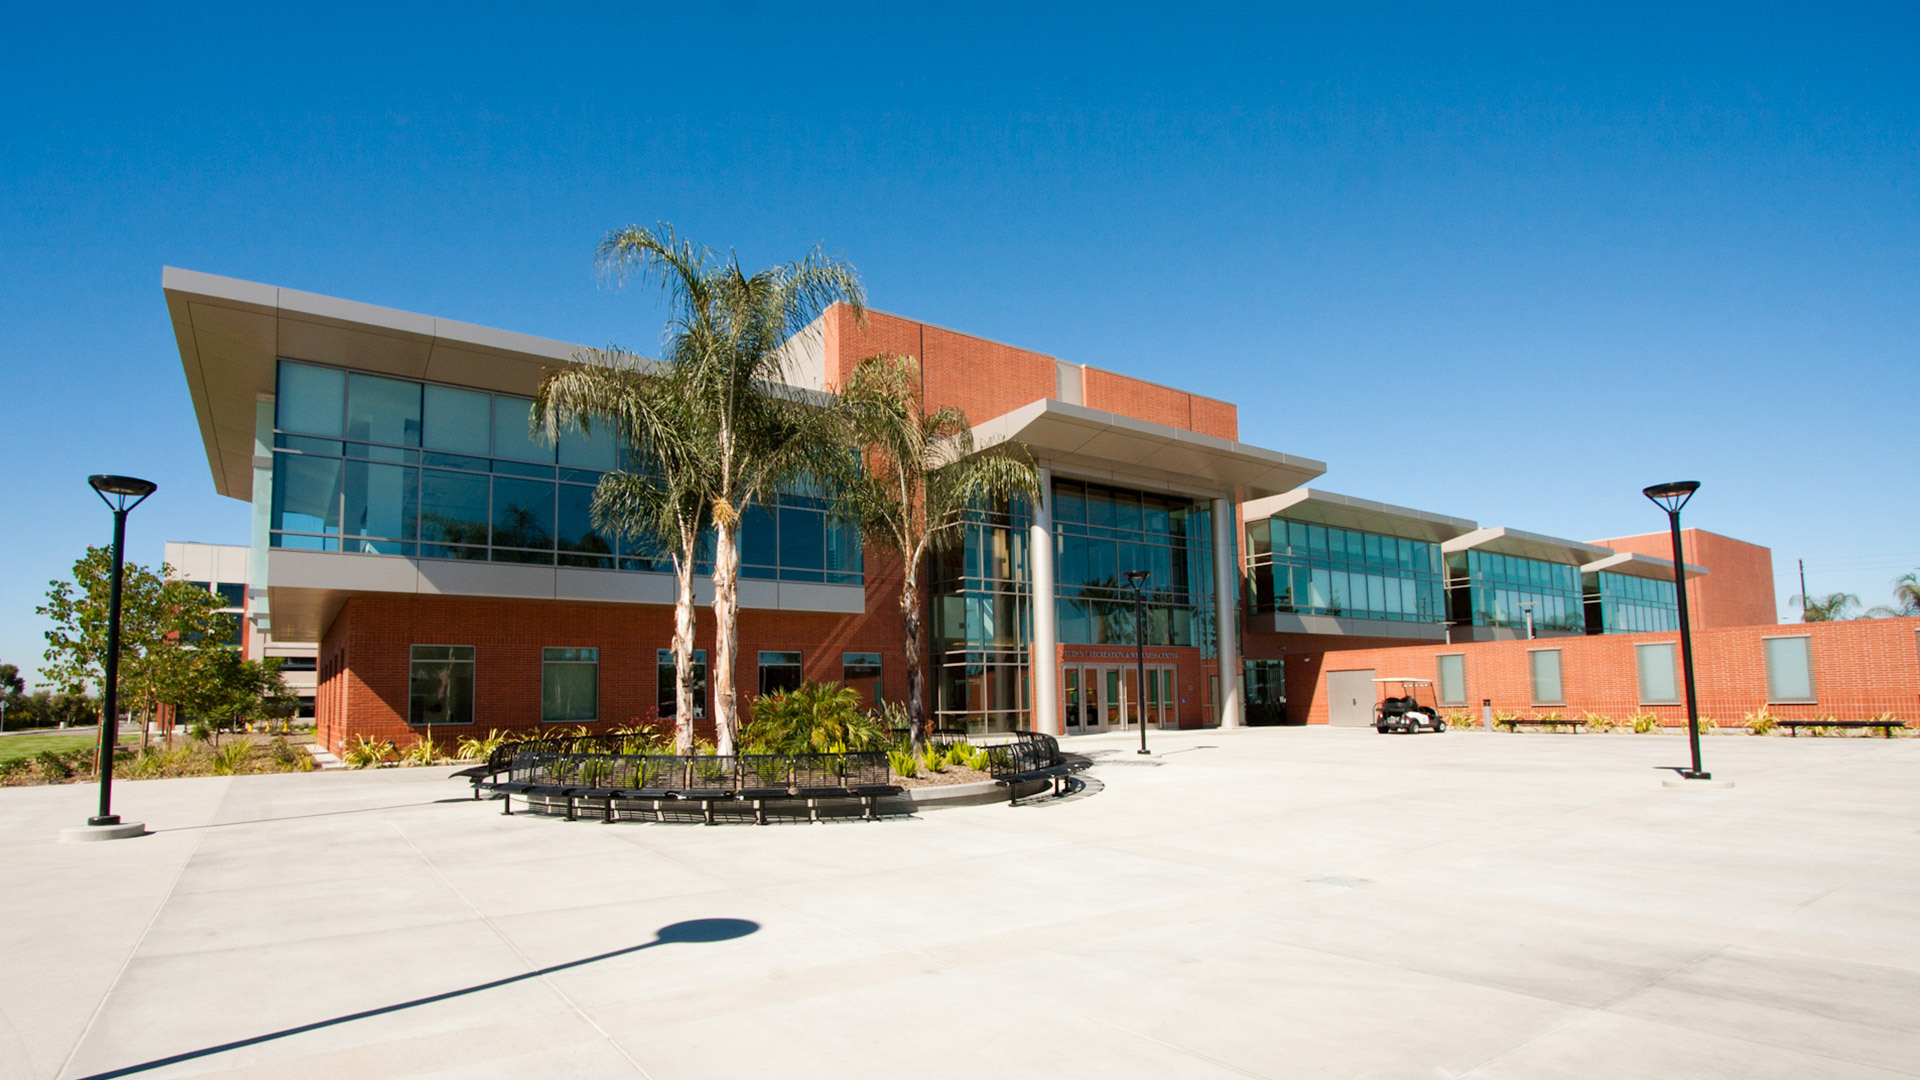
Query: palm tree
[1906, 598]
[746, 430]
[915, 479]
[661, 505]
[1830, 608]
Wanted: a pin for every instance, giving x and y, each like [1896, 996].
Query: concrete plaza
[1274, 903]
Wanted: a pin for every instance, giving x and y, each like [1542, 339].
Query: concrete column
[1226, 605]
[1046, 631]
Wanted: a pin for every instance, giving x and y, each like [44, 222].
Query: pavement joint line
[525, 960]
[66, 1063]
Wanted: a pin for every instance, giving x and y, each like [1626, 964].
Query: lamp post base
[1691, 779]
[119, 830]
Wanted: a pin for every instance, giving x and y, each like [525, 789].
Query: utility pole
[1803, 589]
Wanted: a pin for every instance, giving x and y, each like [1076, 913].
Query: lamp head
[116, 490]
[1136, 578]
[1671, 497]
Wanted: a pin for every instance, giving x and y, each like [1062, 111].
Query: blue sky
[1502, 263]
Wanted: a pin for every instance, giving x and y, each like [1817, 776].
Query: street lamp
[1137, 579]
[121, 494]
[1671, 497]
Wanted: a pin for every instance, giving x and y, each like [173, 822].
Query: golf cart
[1407, 713]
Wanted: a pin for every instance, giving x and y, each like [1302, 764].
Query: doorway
[1350, 698]
[1106, 697]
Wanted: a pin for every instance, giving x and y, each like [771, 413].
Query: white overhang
[230, 332]
[1110, 444]
[1347, 512]
[1634, 564]
[1504, 541]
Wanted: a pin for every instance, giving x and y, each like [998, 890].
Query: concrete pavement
[1270, 902]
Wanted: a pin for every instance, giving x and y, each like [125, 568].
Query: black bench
[1028, 757]
[1518, 722]
[1886, 726]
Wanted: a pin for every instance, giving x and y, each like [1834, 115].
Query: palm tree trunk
[683, 656]
[726, 617]
[916, 668]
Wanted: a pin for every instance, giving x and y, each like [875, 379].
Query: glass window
[512, 433]
[522, 514]
[1451, 683]
[803, 539]
[382, 507]
[1789, 669]
[440, 685]
[1544, 667]
[310, 399]
[589, 451]
[569, 686]
[759, 537]
[306, 494]
[1069, 502]
[232, 594]
[779, 671]
[383, 410]
[576, 532]
[1658, 685]
[459, 421]
[453, 511]
[862, 669]
[697, 678]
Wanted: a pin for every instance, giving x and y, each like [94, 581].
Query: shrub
[199, 732]
[285, 753]
[1461, 718]
[228, 759]
[365, 751]
[479, 748]
[1597, 721]
[1551, 719]
[1707, 723]
[54, 765]
[903, 763]
[643, 739]
[1503, 718]
[1762, 722]
[423, 751]
[960, 754]
[1644, 723]
[814, 718]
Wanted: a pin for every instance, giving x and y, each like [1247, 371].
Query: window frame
[1559, 676]
[547, 662]
[1766, 663]
[472, 662]
[663, 691]
[1440, 681]
[798, 663]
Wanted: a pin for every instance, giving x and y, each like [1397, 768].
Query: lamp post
[1137, 579]
[1671, 497]
[121, 494]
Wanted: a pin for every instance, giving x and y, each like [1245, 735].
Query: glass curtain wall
[1320, 570]
[383, 466]
[979, 605]
[1101, 533]
[1488, 589]
[1626, 604]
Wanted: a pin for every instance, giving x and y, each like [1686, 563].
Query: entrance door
[1070, 686]
[1350, 698]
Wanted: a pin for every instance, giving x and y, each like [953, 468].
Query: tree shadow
[691, 931]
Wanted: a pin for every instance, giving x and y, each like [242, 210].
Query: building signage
[1120, 652]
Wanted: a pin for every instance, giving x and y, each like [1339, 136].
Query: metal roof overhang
[230, 332]
[1109, 445]
[1347, 512]
[1634, 564]
[1504, 541]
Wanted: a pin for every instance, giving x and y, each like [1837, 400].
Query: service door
[1350, 698]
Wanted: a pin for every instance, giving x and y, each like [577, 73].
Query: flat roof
[230, 332]
[1634, 564]
[1110, 445]
[1504, 541]
[1347, 512]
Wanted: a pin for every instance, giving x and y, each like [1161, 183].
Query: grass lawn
[15, 747]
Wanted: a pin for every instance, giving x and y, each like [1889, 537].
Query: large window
[981, 618]
[669, 705]
[384, 466]
[1266, 691]
[1102, 534]
[569, 686]
[1655, 664]
[1451, 680]
[779, 671]
[1320, 570]
[861, 670]
[440, 685]
[1543, 670]
[1789, 670]
[1627, 604]
[1486, 588]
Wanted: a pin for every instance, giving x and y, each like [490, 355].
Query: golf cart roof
[1422, 682]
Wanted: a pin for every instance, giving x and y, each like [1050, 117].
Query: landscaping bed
[236, 755]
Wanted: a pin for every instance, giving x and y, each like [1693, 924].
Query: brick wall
[1861, 668]
[1162, 405]
[1737, 589]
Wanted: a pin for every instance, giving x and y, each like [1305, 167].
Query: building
[222, 569]
[444, 567]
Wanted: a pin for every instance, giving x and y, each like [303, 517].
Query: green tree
[221, 688]
[1906, 598]
[751, 433]
[1832, 607]
[661, 505]
[916, 476]
[13, 695]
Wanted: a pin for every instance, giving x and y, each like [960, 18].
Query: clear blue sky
[1504, 264]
